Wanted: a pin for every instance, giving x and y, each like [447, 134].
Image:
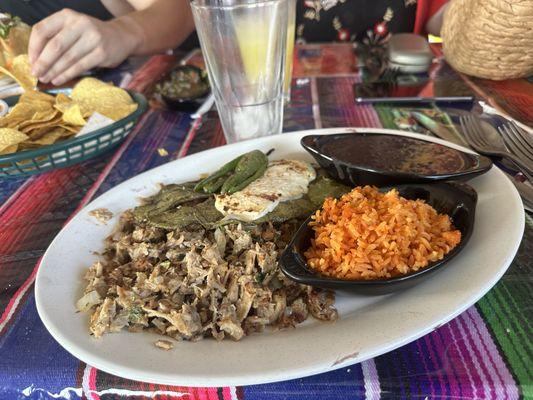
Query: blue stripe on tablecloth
[346, 383]
[28, 345]
[141, 155]
[8, 187]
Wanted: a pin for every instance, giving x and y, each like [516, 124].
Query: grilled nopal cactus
[169, 197]
[177, 206]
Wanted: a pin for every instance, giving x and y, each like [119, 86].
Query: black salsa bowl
[186, 103]
[382, 159]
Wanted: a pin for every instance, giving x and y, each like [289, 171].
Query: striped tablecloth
[485, 353]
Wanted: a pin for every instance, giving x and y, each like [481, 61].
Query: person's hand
[69, 43]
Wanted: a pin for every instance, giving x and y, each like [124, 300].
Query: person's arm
[162, 24]
[434, 23]
[68, 43]
[429, 16]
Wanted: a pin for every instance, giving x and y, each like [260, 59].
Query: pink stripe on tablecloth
[92, 383]
[189, 138]
[461, 351]
[27, 205]
[227, 393]
[15, 300]
[145, 76]
[482, 379]
[371, 380]
[487, 364]
[201, 394]
[89, 383]
[212, 393]
[441, 348]
[491, 351]
[371, 117]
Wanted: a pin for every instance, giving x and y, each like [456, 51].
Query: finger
[87, 62]
[42, 32]
[54, 49]
[76, 52]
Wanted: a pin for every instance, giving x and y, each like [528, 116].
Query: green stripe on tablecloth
[386, 117]
[506, 308]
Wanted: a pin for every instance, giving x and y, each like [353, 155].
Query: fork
[517, 141]
[495, 146]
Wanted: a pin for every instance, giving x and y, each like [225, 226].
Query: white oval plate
[368, 326]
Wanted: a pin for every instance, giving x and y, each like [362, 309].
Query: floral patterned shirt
[369, 21]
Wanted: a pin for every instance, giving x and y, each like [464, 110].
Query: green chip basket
[70, 151]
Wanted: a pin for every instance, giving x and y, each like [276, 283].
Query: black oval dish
[386, 146]
[458, 200]
[188, 104]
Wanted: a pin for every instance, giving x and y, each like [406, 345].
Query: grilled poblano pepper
[250, 167]
[224, 170]
[235, 175]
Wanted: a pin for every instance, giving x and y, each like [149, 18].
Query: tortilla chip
[70, 128]
[73, 116]
[9, 149]
[49, 137]
[39, 131]
[96, 96]
[10, 137]
[62, 102]
[87, 85]
[41, 117]
[19, 113]
[20, 71]
[33, 95]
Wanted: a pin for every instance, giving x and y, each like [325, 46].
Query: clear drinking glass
[291, 33]
[244, 44]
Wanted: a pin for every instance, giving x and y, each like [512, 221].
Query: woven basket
[489, 38]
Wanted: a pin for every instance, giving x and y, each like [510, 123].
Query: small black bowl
[343, 156]
[188, 104]
[457, 200]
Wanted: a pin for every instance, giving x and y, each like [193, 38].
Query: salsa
[398, 154]
[184, 83]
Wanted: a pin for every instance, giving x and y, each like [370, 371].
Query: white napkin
[95, 121]
[8, 87]
[491, 110]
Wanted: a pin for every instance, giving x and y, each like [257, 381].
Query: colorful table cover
[485, 353]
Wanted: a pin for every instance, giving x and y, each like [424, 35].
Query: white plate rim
[226, 379]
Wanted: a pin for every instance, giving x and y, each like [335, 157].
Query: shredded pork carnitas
[194, 283]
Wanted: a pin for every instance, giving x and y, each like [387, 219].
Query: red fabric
[425, 9]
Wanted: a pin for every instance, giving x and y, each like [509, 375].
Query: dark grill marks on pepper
[236, 174]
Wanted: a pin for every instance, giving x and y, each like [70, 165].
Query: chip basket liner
[489, 38]
[70, 151]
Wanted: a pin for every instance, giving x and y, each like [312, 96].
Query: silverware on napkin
[485, 142]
